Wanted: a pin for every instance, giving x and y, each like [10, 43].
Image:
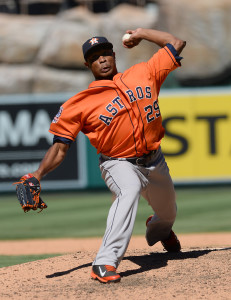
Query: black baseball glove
[28, 190]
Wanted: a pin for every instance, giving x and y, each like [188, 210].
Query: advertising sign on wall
[197, 142]
[24, 140]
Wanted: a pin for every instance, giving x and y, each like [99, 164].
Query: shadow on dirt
[147, 262]
[57, 274]
[157, 260]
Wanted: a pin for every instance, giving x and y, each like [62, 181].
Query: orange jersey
[121, 117]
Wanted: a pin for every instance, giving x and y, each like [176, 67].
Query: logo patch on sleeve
[56, 118]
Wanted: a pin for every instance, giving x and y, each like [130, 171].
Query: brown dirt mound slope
[200, 271]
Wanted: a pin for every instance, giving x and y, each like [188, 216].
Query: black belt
[139, 161]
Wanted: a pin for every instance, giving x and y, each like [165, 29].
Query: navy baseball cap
[94, 43]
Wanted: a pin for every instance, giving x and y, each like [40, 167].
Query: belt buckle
[138, 163]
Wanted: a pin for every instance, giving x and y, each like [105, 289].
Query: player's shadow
[147, 262]
[156, 260]
[62, 273]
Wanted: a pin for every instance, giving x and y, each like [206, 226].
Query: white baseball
[126, 36]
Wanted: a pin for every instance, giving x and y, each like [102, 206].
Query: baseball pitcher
[120, 114]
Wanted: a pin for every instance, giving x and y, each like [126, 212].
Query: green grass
[83, 214]
[204, 210]
[67, 215]
[8, 260]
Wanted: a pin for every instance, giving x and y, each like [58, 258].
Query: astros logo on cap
[93, 41]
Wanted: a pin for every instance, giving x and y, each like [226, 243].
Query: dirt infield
[200, 271]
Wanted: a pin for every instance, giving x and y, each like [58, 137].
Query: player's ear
[86, 64]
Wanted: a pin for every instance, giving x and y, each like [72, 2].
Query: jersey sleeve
[67, 122]
[174, 53]
[163, 62]
[57, 139]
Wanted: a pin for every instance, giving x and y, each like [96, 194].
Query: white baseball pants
[127, 182]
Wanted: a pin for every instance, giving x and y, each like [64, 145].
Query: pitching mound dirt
[200, 271]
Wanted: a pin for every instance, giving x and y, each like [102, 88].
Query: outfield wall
[197, 144]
